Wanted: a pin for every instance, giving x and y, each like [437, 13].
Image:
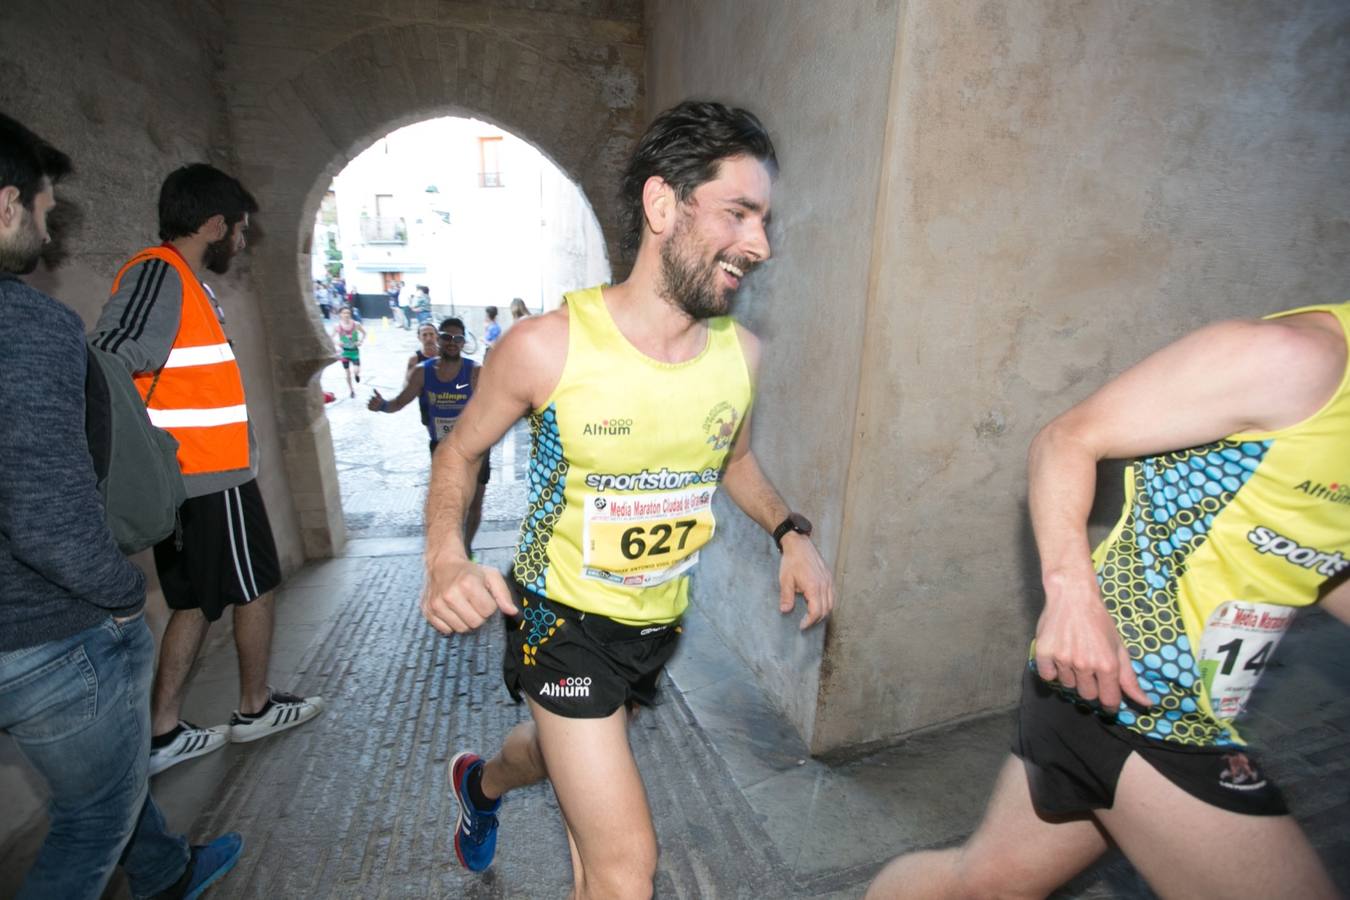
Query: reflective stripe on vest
[199, 396]
[180, 357]
[197, 418]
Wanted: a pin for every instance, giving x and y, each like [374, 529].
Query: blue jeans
[79, 710]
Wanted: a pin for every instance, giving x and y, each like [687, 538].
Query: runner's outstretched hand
[460, 596]
[375, 402]
[802, 571]
[1077, 645]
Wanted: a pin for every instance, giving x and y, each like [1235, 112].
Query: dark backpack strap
[97, 415]
[154, 384]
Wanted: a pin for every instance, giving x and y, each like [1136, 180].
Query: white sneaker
[192, 741]
[282, 711]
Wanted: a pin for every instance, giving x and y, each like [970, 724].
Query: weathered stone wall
[1070, 186]
[816, 74]
[130, 91]
[311, 85]
[1064, 186]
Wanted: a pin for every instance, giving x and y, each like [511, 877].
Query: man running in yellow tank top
[638, 396]
[1149, 648]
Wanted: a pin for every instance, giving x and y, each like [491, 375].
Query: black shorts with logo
[580, 665]
[1074, 758]
[227, 556]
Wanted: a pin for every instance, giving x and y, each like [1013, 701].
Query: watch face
[800, 523]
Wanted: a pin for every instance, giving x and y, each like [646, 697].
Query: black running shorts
[1074, 758]
[581, 665]
[228, 555]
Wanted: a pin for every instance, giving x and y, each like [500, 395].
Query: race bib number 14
[645, 539]
[1239, 640]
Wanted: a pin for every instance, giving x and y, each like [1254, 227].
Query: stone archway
[307, 95]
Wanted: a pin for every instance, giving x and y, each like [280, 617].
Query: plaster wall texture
[167, 110]
[817, 74]
[1068, 187]
[309, 86]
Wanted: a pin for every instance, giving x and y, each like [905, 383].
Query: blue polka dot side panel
[1177, 497]
[545, 502]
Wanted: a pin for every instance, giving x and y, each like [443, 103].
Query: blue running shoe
[476, 831]
[211, 862]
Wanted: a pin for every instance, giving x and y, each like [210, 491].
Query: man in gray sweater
[75, 651]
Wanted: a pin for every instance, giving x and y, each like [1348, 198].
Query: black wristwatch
[794, 522]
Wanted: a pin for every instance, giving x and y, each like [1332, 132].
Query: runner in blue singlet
[443, 386]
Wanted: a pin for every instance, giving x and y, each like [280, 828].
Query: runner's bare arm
[411, 388]
[1337, 601]
[802, 571]
[522, 371]
[1222, 379]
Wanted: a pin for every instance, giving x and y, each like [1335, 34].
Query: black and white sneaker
[281, 712]
[189, 742]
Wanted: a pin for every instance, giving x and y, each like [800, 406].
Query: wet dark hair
[193, 194]
[684, 147]
[491, 312]
[26, 159]
[453, 320]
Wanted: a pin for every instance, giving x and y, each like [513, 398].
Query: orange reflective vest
[198, 396]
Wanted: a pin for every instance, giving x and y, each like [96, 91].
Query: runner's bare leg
[1015, 852]
[518, 763]
[604, 804]
[1182, 845]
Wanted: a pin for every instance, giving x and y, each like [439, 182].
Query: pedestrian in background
[492, 332]
[427, 349]
[323, 298]
[348, 335]
[518, 310]
[421, 305]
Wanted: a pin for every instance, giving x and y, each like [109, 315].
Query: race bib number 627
[645, 539]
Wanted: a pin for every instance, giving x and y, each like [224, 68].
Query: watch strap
[793, 522]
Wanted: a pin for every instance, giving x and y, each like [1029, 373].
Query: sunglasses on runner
[453, 338]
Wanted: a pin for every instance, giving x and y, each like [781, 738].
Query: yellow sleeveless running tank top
[1217, 548]
[625, 457]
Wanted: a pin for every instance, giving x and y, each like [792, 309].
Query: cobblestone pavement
[382, 459]
[355, 804]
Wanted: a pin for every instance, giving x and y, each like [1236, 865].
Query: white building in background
[472, 212]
